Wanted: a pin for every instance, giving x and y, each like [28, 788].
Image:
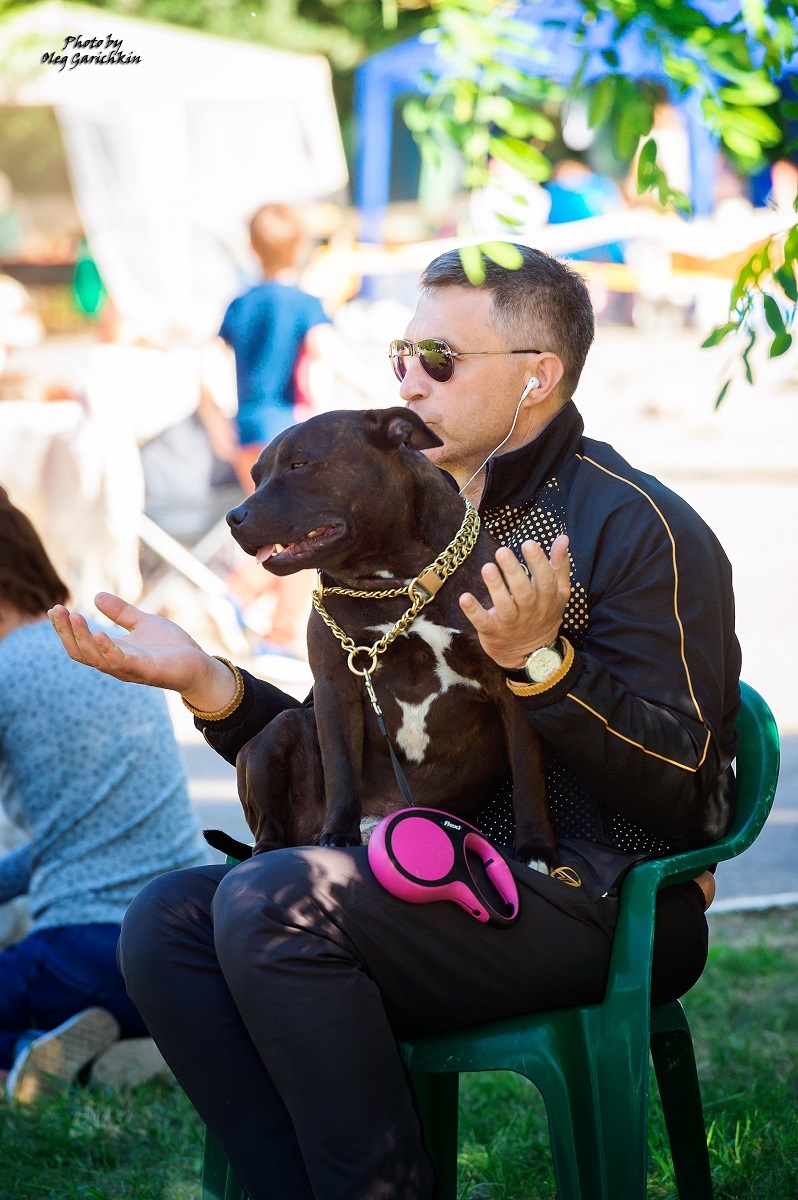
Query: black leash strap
[397, 769]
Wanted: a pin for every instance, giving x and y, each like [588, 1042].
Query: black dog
[349, 494]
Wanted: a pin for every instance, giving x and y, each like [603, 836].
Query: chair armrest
[630, 965]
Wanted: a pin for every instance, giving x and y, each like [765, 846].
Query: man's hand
[527, 609]
[155, 651]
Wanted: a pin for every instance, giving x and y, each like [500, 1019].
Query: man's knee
[163, 912]
[301, 887]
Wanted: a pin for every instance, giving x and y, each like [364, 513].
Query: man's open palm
[155, 650]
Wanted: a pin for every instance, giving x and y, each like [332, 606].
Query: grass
[145, 1144]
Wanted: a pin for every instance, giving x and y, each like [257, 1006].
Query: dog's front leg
[339, 720]
[534, 839]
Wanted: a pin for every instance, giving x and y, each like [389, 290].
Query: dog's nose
[237, 516]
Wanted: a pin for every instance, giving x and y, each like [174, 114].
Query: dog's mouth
[310, 544]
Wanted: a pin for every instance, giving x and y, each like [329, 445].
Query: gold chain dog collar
[420, 591]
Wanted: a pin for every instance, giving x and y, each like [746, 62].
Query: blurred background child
[274, 329]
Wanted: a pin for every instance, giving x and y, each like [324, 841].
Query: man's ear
[390, 428]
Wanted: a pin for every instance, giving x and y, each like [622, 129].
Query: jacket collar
[517, 477]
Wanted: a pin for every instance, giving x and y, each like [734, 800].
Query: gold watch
[540, 664]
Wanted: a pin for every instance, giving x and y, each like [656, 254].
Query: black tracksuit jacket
[640, 732]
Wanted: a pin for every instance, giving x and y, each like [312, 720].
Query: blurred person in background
[577, 193]
[92, 773]
[273, 330]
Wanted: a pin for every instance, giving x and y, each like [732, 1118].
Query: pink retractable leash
[421, 855]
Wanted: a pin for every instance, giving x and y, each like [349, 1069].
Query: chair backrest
[757, 769]
[757, 774]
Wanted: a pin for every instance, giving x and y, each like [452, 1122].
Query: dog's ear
[390, 428]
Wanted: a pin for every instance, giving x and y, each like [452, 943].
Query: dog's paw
[537, 856]
[341, 840]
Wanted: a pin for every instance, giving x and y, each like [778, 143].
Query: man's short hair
[542, 299]
[276, 232]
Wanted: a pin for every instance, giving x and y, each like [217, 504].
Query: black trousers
[276, 989]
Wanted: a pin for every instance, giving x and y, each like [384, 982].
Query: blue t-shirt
[574, 199]
[266, 328]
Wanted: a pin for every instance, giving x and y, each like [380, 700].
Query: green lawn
[146, 1144]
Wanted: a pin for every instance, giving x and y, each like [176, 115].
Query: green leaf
[473, 264]
[791, 245]
[601, 101]
[718, 334]
[524, 158]
[416, 116]
[752, 91]
[773, 313]
[749, 375]
[753, 123]
[748, 148]
[494, 108]
[780, 344]
[611, 58]
[790, 109]
[785, 277]
[504, 253]
[721, 394]
[646, 164]
[475, 146]
[627, 131]
[754, 13]
[681, 202]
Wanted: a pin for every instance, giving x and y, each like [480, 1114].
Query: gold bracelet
[221, 713]
[535, 689]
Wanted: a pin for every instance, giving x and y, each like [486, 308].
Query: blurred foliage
[495, 100]
[344, 30]
[32, 150]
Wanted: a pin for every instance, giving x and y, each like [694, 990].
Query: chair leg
[218, 1180]
[214, 1170]
[233, 1190]
[437, 1103]
[574, 1134]
[595, 1085]
[677, 1078]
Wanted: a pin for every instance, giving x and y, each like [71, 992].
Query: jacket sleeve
[645, 713]
[260, 703]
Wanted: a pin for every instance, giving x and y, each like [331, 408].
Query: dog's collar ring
[373, 654]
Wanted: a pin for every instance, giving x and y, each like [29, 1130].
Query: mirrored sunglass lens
[436, 359]
[398, 352]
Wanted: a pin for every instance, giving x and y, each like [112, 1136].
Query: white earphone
[533, 383]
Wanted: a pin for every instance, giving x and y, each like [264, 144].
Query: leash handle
[397, 769]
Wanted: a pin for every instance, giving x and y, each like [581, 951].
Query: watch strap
[519, 674]
[519, 688]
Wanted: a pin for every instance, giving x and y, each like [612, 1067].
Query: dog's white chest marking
[412, 736]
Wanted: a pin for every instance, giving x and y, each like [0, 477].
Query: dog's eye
[296, 465]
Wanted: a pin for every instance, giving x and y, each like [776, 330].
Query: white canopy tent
[169, 155]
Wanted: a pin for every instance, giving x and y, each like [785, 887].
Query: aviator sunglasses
[436, 357]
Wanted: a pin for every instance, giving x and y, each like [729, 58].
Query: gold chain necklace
[420, 590]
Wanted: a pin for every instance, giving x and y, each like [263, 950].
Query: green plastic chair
[591, 1063]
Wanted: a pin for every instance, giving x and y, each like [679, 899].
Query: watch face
[542, 664]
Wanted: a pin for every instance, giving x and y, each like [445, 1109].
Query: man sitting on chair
[275, 989]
